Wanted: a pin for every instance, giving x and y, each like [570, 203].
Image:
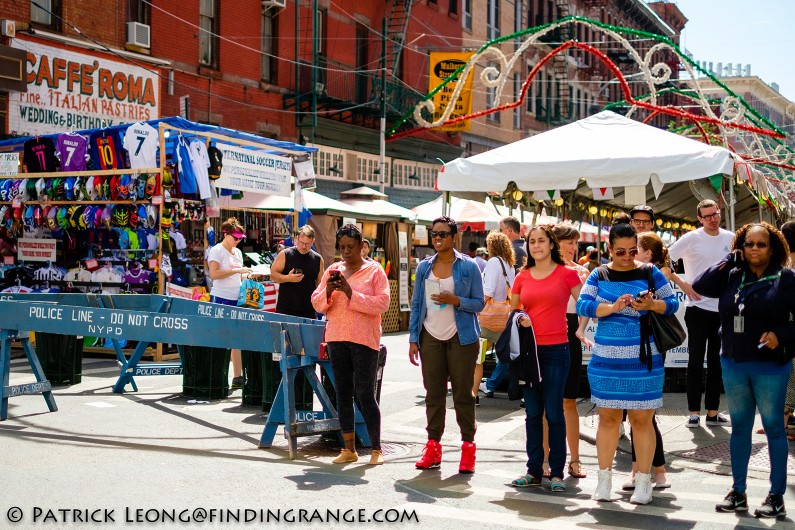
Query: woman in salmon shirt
[353, 294]
[543, 289]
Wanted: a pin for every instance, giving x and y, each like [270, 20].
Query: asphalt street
[153, 458]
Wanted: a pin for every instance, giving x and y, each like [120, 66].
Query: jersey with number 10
[106, 149]
[141, 141]
[71, 149]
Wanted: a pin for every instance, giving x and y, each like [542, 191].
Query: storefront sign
[73, 90]
[36, 250]
[348, 221]
[9, 164]
[403, 277]
[254, 171]
[443, 64]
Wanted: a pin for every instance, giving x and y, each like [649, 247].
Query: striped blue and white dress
[617, 377]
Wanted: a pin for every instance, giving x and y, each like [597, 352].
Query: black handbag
[666, 329]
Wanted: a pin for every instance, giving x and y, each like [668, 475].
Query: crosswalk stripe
[491, 432]
[398, 386]
[584, 501]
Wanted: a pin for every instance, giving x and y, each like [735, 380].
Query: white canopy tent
[606, 150]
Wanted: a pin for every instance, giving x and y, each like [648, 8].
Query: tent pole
[446, 204]
[599, 236]
[731, 204]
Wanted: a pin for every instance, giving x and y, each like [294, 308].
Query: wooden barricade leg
[129, 367]
[41, 386]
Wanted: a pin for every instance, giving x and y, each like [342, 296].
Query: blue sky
[759, 33]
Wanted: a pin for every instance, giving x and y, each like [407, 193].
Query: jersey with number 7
[141, 142]
[71, 149]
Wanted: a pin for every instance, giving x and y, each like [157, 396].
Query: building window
[517, 91]
[48, 15]
[453, 10]
[208, 29]
[518, 21]
[140, 12]
[491, 96]
[492, 19]
[269, 47]
[466, 19]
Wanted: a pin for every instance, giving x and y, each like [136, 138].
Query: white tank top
[440, 321]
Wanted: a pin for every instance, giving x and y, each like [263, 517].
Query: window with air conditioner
[269, 43]
[138, 34]
[274, 3]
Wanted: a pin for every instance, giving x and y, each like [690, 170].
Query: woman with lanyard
[756, 298]
[226, 271]
[621, 375]
[542, 289]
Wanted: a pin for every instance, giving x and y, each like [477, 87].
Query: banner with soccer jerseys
[69, 90]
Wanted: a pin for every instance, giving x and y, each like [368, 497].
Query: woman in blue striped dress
[620, 377]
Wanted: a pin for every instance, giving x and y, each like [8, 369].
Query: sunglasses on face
[442, 233]
[757, 244]
[621, 252]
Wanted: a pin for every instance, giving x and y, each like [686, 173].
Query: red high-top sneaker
[431, 456]
[467, 464]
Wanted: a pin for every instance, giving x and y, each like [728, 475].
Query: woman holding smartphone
[353, 294]
[620, 374]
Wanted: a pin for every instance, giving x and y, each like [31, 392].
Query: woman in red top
[543, 289]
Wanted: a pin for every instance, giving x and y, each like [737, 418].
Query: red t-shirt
[545, 301]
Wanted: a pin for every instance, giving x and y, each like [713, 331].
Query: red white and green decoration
[768, 164]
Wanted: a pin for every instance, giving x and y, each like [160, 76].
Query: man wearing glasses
[304, 270]
[699, 249]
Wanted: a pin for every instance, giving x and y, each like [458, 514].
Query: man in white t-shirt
[699, 249]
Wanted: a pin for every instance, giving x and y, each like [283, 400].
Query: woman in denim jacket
[445, 335]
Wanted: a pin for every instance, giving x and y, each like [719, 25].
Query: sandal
[546, 473]
[578, 473]
[526, 481]
[557, 485]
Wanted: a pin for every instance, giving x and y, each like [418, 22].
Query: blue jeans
[543, 398]
[497, 375]
[745, 393]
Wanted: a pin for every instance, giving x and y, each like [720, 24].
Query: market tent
[314, 202]
[367, 201]
[606, 150]
[474, 215]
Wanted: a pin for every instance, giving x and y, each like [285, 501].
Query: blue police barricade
[153, 318]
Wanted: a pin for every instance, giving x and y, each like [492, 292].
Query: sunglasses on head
[442, 233]
[621, 252]
[350, 232]
[757, 244]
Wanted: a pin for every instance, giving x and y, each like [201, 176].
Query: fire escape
[355, 91]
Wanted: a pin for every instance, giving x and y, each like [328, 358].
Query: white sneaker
[604, 486]
[643, 489]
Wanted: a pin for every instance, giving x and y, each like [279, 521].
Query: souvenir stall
[123, 208]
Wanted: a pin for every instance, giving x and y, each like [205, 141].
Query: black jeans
[703, 337]
[355, 367]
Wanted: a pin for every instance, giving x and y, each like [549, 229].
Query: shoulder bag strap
[505, 275]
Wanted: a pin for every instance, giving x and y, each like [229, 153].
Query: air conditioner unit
[8, 28]
[139, 34]
[280, 4]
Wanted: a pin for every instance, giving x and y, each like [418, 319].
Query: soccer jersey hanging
[106, 149]
[200, 162]
[40, 155]
[141, 141]
[71, 149]
[187, 180]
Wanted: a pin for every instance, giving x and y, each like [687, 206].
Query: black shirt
[40, 155]
[296, 298]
